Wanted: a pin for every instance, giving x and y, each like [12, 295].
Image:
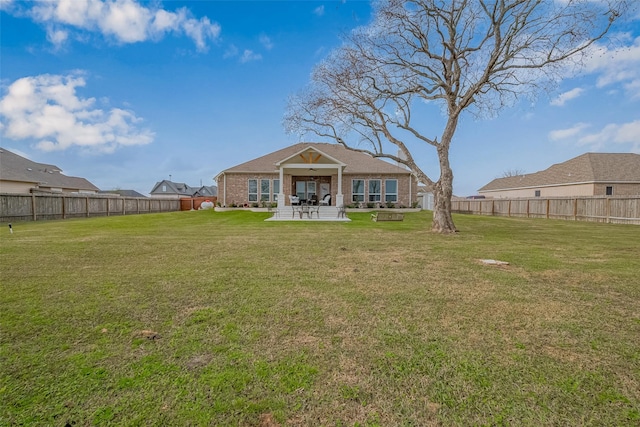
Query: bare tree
[512, 172]
[464, 55]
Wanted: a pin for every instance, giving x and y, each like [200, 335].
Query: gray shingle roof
[356, 162]
[17, 168]
[586, 168]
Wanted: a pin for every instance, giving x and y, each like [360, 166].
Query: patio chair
[295, 200]
[313, 200]
[326, 200]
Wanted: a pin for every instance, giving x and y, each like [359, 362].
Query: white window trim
[353, 194]
[249, 193]
[379, 193]
[387, 194]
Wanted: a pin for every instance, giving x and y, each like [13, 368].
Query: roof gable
[310, 155]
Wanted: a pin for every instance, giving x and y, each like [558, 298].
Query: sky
[126, 93]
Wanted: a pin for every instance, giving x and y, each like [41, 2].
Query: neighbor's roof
[356, 162]
[173, 187]
[586, 168]
[17, 168]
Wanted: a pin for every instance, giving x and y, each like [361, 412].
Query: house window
[609, 190]
[264, 189]
[391, 190]
[253, 190]
[537, 193]
[375, 187]
[164, 188]
[276, 189]
[357, 190]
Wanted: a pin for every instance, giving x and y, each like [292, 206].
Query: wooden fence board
[35, 207]
[622, 210]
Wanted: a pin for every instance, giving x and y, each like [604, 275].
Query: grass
[206, 318]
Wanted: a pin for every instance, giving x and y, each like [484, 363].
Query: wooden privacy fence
[35, 207]
[619, 210]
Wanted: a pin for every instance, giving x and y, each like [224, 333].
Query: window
[276, 189]
[609, 190]
[357, 190]
[374, 190]
[253, 190]
[391, 190]
[164, 188]
[264, 189]
[537, 193]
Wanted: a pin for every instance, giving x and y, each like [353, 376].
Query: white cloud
[567, 133]
[319, 11]
[611, 135]
[126, 21]
[567, 96]
[231, 51]
[626, 133]
[619, 65]
[266, 42]
[6, 5]
[249, 55]
[47, 109]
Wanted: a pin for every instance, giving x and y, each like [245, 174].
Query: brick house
[590, 174]
[315, 170]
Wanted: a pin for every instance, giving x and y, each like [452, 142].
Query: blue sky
[126, 93]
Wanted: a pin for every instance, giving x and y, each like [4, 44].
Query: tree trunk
[442, 220]
[443, 188]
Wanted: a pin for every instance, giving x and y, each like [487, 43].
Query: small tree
[512, 172]
[475, 55]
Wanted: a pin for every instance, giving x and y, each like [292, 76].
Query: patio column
[281, 191]
[339, 196]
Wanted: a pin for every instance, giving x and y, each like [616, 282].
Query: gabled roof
[355, 162]
[586, 168]
[19, 169]
[206, 190]
[173, 188]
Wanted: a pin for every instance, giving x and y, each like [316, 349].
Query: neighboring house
[124, 193]
[309, 170]
[171, 190]
[19, 175]
[591, 174]
[206, 191]
[176, 190]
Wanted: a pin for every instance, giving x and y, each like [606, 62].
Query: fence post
[548, 203]
[608, 210]
[33, 206]
[528, 201]
[509, 209]
[575, 209]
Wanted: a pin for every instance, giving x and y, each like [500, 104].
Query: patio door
[305, 189]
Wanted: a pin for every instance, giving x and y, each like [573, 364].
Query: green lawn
[208, 318]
